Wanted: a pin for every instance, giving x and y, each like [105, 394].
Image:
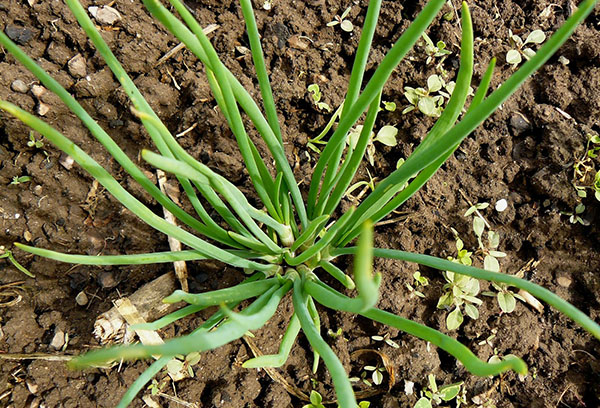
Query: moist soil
[524, 154]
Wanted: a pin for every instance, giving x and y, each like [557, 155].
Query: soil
[524, 153]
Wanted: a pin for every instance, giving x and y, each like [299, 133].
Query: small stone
[519, 123]
[105, 15]
[19, 86]
[43, 109]
[66, 161]
[33, 388]
[58, 341]
[501, 205]
[298, 43]
[409, 387]
[81, 299]
[321, 78]
[27, 235]
[20, 35]
[77, 66]
[38, 91]
[115, 123]
[107, 280]
[37, 190]
[564, 281]
[242, 50]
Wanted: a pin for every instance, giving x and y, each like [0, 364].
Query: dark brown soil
[524, 153]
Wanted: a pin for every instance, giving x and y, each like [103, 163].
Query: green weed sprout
[291, 245]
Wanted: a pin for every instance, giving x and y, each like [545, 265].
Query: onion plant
[290, 245]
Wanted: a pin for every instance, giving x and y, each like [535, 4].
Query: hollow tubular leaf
[184, 35]
[309, 233]
[343, 388]
[198, 341]
[135, 259]
[320, 244]
[366, 284]
[442, 125]
[279, 359]
[428, 172]
[236, 293]
[234, 117]
[129, 201]
[101, 135]
[329, 156]
[537, 291]
[257, 320]
[233, 196]
[356, 77]
[261, 69]
[386, 189]
[155, 367]
[135, 96]
[338, 274]
[335, 300]
[328, 202]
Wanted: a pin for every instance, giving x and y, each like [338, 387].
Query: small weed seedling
[16, 180]
[489, 251]
[429, 101]
[37, 143]
[365, 187]
[33, 142]
[386, 136]
[517, 52]
[460, 293]
[386, 338]
[585, 176]
[345, 25]
[435, 395]
[316, 95]
[419, 282]
[375, 374]
[183, 364]
[157, 387]
[339, 333]
[389, 106]
[316, 400]
[437, 50]
[505, 296]
[488, 339]
[576, 216]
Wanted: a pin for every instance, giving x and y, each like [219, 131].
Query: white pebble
[58, 340]
[409, 387]
[81, 299]
[19, 86]
[43, 109]
[105, 15]
[501, 205]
